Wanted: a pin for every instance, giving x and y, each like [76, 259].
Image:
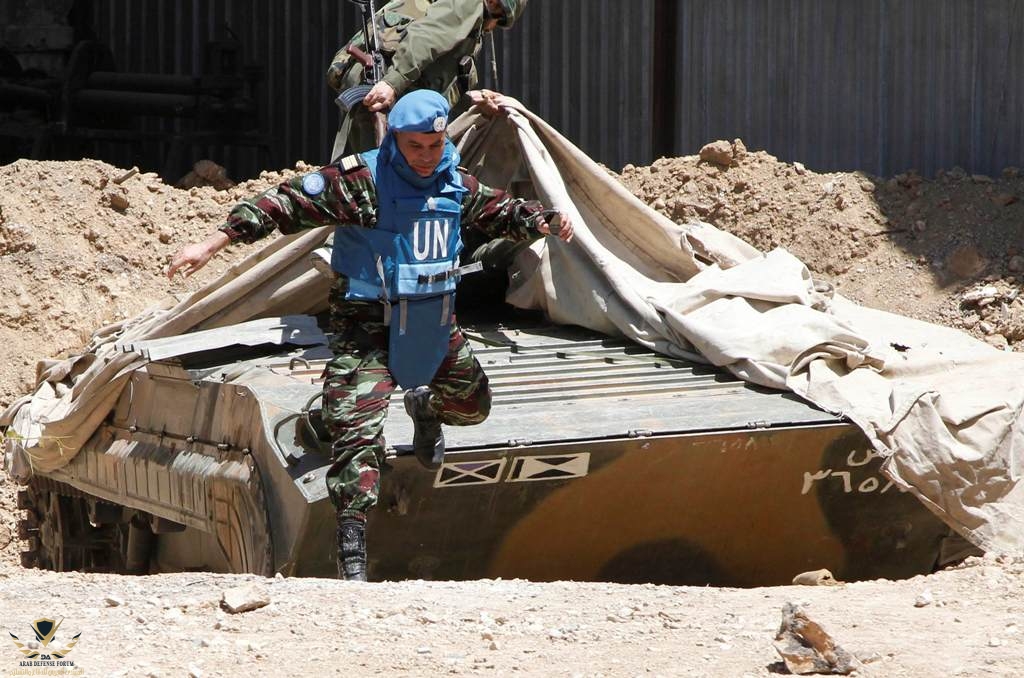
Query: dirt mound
[945, 250]
[78, 251]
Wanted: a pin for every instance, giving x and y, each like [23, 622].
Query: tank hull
[740, 508]
[601, 461]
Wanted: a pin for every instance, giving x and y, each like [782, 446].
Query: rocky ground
[83, 244]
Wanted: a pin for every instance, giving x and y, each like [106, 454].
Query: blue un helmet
[422, 110]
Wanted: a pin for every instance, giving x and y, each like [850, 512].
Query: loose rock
[244, 599]
[806, 647]
[718, 152]
[815, 578]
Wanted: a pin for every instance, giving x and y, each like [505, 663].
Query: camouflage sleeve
[496, 213]
[446, 24]
[348, 197]
[339, 68]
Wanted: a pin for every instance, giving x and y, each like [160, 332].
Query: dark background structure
[877, 85]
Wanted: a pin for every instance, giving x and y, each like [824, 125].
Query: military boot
[427, 437]
[351, 549]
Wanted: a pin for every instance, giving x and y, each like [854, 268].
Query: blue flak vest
[403, 263]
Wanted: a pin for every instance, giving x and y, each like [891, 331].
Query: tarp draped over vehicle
[943, 409]
[73, 396]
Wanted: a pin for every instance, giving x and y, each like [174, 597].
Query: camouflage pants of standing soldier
[357, 389]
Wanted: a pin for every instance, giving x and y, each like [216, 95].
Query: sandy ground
[173, 625]
[78, 250]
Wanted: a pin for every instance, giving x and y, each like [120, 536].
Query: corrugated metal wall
[878, 85]
[291, 41]
[585, 67]
[606, 109]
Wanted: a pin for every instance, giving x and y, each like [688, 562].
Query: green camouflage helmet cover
[513, 10]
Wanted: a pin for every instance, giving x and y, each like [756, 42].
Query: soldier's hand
[490, 103]
[565, 228]
[191, 258]
[381, 97]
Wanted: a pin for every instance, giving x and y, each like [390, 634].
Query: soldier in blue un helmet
[399, 214]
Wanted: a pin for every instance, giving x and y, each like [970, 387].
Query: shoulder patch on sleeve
[313, 184]
[351, 162]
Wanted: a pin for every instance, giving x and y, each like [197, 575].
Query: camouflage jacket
[350, 197]
[423, 42]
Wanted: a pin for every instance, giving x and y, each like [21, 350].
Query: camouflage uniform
[424, 43]
[357, 383]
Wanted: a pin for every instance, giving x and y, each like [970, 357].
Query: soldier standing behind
[427, 44]
[398, 214]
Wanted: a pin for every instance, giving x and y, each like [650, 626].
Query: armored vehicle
[600, 461]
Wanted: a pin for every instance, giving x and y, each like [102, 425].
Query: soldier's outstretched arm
[191, 258]
[248, 221]
[328, 196]
[500, 215]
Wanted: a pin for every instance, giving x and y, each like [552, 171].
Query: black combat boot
[427, 437]
[351, 549]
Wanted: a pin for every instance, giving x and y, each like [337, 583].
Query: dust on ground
[79, 250]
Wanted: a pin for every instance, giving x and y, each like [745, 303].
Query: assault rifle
[373, 67]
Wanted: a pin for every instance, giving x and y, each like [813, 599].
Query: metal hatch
[562, 384]
[556, 384]
[553, 386]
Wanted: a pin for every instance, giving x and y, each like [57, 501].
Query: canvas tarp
[73, 396]
[942, 409]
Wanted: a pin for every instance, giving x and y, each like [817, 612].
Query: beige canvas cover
[942, 409]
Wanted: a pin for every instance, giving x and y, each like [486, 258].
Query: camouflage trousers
[357, 389]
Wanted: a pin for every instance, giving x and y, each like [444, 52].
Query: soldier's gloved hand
[564, 231]
[381, 97]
